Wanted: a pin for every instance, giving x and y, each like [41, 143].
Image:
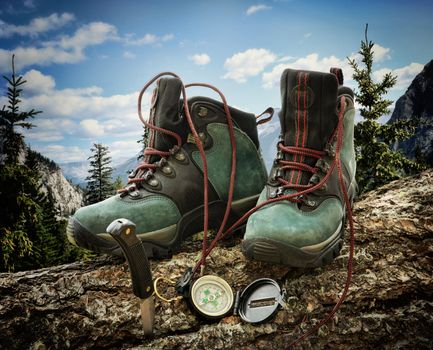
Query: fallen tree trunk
[390, 305]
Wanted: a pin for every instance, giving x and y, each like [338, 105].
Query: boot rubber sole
[165, 242]
[277, 252]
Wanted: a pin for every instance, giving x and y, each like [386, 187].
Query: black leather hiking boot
[165, 199]
[306, 230]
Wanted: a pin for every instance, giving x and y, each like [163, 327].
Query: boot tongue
[166, 114]
[308, 115]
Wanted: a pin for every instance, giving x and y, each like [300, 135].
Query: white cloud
[286, 58]
[146, 39]
[256, 8]
[80, 112]
[68, 49]
[310, 62]
[37, 82]
[64, 154]
[200, 59]
[36, 26]
[91, 128]
[43, 136]
[26, 56]
[247, 64]
[129, 55]
[167, 37]
[94, 33]
[82, 103]
[405, 74]
[381, 53]
[307, 35]
[124, 148]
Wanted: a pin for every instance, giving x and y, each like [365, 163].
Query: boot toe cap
[284, 222]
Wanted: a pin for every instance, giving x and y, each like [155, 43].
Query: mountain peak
[418, 102]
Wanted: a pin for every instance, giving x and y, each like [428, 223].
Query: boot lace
[145, 169]
[304, 190]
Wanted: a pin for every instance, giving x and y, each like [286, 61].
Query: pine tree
[144, 140]
[11, 118]
[99, 182]
[31, 234]
[377, 162]
[118, 184]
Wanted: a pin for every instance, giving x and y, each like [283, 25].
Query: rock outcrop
[418, 102]
[390, 304]
[67, 197]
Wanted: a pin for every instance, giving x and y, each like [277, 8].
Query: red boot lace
[149, 151]
[302, 189]
[294, 197]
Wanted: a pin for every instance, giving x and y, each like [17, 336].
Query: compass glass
[212, 296]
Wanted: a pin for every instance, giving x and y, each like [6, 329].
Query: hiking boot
[166, 203]
[306, 231]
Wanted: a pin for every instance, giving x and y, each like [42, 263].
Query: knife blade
[123, 231]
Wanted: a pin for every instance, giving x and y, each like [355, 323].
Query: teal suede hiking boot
[166, 203]
[306, 230]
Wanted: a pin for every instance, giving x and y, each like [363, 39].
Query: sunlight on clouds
[146, 39]
[81, 112]
[124, 148]
[38, 82]
[90, 34]
[310, 62]
[200, 59]
[249, 63]
[405, 75]
[36, 26]
[91, 128]
[64, 154]
[67, 49]
[380, 53]
[257, 8]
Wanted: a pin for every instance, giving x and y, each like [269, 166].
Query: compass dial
[211, 296]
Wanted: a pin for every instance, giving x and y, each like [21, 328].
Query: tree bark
[390, 305]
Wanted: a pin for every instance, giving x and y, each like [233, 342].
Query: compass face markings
[211, 297]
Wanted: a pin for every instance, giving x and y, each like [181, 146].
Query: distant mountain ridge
[418, 102]
[77, 172]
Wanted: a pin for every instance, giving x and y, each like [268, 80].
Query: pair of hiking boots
[300, 217]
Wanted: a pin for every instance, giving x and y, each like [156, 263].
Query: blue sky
[85, 61]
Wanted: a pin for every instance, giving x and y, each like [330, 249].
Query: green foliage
[118, 183]
[31, 233]
[11, 118]
[377, 162]
[99, 182]
[144, 140]
[37, 158]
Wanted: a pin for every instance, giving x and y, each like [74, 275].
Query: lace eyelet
[167, 170]
[180, 156]
[147, 175]
[153, 182]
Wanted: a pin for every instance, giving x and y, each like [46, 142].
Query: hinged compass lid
[260, 300]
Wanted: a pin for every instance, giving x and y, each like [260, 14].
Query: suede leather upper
[299, 224]
[251, 173]
[163, 202]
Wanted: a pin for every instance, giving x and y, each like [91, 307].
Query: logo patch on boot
[303, 96]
